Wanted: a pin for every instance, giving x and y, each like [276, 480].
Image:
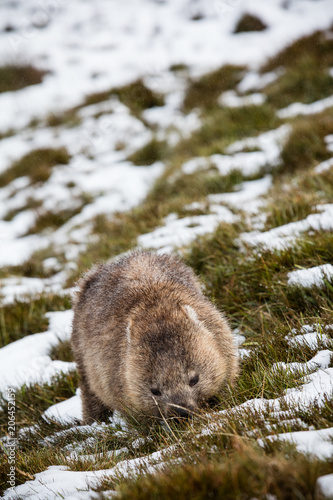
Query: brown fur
[142, 323]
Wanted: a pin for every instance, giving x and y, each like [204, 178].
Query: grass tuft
[37, 165]
[222, 126]
[16, 77]
[204, 91]
[136, 96]
[23, 318]
[150, 153]
[305, 145]
[248, 22]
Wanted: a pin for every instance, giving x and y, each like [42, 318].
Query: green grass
[305, 146]
[294, 86]
[245, 473]
[51, 220]
[250, 285]
[306, 78]
[204, 91]
[221, 126]
[252, 288]
[16, 77]
[136, 96]
[30, 204]
[150, 153]
[62, 351]
[37, 165]
[169, 195]
[24, 318]
[317, 46]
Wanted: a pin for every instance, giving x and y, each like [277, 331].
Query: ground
[200, 129]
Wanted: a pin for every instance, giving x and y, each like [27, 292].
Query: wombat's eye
[194, 380]
[156, 392]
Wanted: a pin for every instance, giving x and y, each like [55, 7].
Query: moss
[15, 77]
[24, 318]
[37, 165]
[306, 146]
[248, 22]
[136, 96]
[204, 91]
[150, 153]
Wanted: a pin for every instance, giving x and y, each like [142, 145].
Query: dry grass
[15, 77]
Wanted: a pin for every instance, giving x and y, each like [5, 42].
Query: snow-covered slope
[90, 47]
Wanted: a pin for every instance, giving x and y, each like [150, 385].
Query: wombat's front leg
[92, 407]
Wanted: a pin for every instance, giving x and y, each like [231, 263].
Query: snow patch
[314, 276]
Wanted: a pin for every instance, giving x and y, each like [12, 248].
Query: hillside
[200, 129]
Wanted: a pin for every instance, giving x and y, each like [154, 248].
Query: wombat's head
[173, 362]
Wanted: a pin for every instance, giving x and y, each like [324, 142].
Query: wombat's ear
[190, 312]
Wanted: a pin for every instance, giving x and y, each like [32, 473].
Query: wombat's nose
[179, 411]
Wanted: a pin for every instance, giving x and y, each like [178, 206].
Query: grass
[306, 78]
[15, 77]
[31, 401]
[252, 288]
[169, 195]
[30, 204]
[246, 473]
[317, 46]
[62, 351]
[136, 96]
[204, 91]
[305, 145]
[24, 318]
[249, 285]
[34, 266]
[221, 126]
[292, 86]
[51, 220]
[37, 165]
[248, 22]
[150, 153]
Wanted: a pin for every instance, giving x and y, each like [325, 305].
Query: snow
[21, 288]
[314, 276]
[248, 196]
[324, 166]
[27, 360]
[321, 360]
[257, 81]
[317, 443]
[311, 339]
[57, 481]
[297, 108]
[282, 237]
[232, 100]
[88, 49]
[325, 485]
[66, 411]
[177, 233]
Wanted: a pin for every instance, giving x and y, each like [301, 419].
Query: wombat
[146, 339]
